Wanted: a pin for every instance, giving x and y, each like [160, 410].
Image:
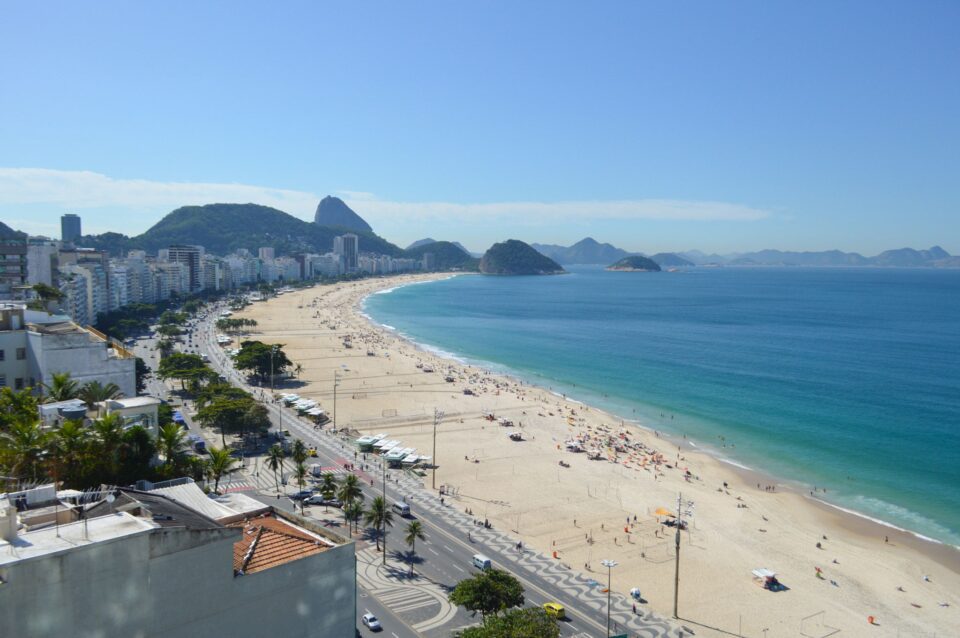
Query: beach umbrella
[661, 511]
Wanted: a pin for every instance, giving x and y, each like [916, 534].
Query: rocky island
[514, 257]
[635, 263]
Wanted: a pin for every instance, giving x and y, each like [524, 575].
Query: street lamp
[273, 354]
[437, 417]
[383, 465]
[336, 382]
[609, 564]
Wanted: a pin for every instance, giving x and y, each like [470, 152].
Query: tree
[23, 449]
[70, 450]
[531, 622]
[182, 366]
[134, 454]
[414, 533]
[350, 490]
[143, 373]
[107, 436]
[378, 516]
[489, 592]
[300, 472]
[16, 406]
[256, 357]
[352, 513]
[169, 330]
[328, 488]
[95, 392]
[61, 388]
[224, 414]
[275, 462]
[298, 369]
[221, 462]
[299, 452]
[171, 443]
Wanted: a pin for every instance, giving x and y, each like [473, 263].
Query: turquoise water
[844, 378]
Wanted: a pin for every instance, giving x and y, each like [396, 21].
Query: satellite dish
[111, 498]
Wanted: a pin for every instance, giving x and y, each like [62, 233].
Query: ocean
[847, 379]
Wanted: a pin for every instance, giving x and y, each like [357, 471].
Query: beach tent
[662, 511]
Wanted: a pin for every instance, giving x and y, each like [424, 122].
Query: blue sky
[655, 126]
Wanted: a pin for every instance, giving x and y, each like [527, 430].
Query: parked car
[301, 495]
[318, 499]
[370, 622]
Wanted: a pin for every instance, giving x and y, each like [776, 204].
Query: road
[416, 606]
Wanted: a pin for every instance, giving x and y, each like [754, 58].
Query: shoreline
[385, 392]
[942, 550]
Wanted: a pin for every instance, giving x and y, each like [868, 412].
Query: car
[370, 622]
[312, 451]
[318, 499]
[555, 610]
[301, 495]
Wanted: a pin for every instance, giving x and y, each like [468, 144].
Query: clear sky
[723, 126]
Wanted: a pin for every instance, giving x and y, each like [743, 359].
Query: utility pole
[437, 417]
[609, 564]
[676, 569]
[383, 464]
[273, 354]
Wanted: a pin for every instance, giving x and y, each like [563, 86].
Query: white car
[370, 622]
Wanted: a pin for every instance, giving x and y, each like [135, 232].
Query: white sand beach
[606, 508]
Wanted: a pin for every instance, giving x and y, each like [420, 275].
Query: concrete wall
[84, 358]
[176, 583]
[11, 366]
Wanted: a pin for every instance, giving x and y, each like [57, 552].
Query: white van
[481, 562]
[402, 509]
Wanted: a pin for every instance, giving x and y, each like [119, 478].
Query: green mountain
[223, 228]
[333, 211]
[635, 263]
[514, 257]
[447, 255]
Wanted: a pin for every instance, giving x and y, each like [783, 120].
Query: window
[3, 355]
[18, 383]
[3, 379]
[21, 354]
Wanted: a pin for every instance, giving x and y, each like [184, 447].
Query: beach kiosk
[365, 443]
[767, 579]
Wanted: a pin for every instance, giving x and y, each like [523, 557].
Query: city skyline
[724, 129]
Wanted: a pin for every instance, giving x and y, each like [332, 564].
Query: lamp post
[676, 568]
[336, 382]
[383, 465]
[609, 564]
[437, 417]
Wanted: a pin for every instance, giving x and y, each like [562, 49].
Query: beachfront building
[348, 247]
[145, 564]
[35, 345]
[70, 227]
[192, 258]
[43, 261]
[13, 262]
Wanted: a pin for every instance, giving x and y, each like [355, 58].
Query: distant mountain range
[935, 257]
[585, 251]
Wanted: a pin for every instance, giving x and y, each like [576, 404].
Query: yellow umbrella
[661, 511]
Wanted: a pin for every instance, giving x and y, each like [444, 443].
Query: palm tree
[171, 443]
[94, 392]
[70, 445]
[300, 472]
[414, 533]
[221, 461]
[299, 453]
[350, 489]
[61, 388]
[378, 517]
[107, 436]
[328, 487]
[24, 444]
[352, 513]
[275, 462]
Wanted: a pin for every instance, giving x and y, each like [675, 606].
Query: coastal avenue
[445, 556]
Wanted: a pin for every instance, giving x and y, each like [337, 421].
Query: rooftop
[132, 402]
[269, 541]
[62, 538]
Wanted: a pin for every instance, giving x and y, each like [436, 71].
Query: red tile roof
[268, 541]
